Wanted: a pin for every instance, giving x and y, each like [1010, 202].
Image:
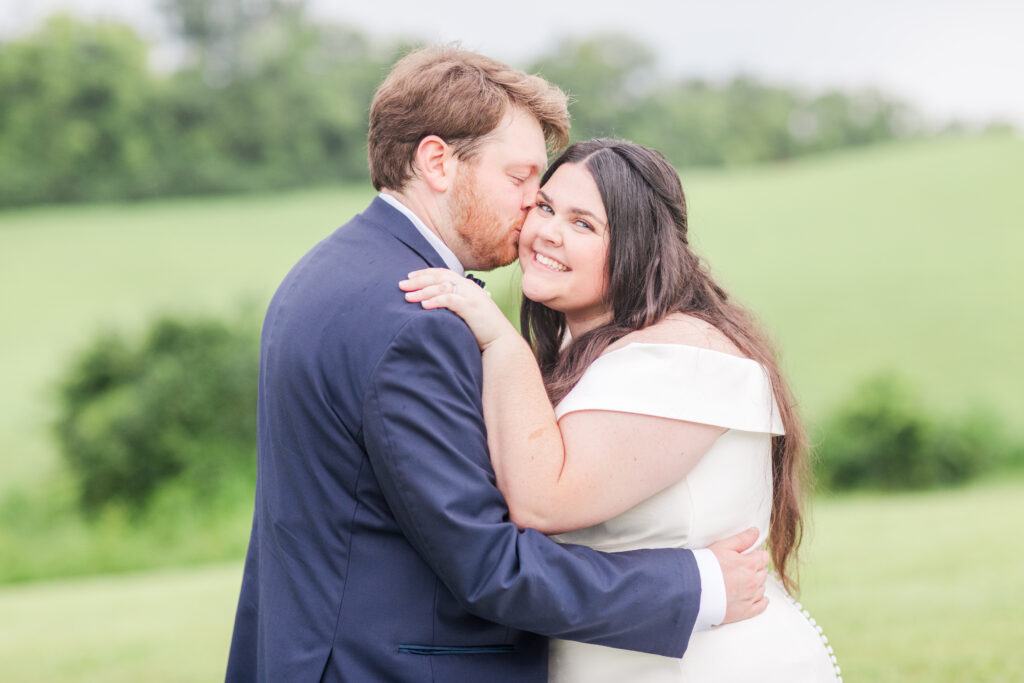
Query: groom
[381, 549]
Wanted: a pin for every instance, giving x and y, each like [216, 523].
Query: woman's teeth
[550, 263]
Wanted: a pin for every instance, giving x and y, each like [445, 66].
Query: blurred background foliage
[266, 98]
[178, 406]
[884, 437]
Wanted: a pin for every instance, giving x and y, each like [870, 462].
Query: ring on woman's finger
[453, 287]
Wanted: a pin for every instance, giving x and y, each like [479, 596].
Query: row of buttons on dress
[819, 629]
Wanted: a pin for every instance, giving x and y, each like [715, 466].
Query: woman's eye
[585, 225]
[545, 207]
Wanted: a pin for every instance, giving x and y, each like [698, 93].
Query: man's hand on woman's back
[744, 574]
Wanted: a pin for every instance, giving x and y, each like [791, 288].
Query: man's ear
[435, 161]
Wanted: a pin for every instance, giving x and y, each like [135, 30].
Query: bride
[672, 425]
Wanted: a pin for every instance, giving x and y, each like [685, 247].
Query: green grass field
[901, 257]
[924, 587]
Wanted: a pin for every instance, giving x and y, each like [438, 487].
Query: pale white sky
[950, 58]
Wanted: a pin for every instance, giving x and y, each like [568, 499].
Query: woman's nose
[550, 230]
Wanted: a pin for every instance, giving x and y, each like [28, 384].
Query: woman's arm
[558, 476]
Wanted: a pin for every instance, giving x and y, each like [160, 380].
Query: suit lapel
[390, 220]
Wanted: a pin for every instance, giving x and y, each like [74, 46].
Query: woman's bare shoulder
[681, 328]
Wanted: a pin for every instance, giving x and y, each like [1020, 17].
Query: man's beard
[488, 240]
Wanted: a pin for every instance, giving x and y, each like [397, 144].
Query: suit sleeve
[425, 437]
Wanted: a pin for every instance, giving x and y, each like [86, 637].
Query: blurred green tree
[266, 98]
[178, 406]
[618, 92]
[608, 78]
[74, 112]
[216, 31]
[883, 437]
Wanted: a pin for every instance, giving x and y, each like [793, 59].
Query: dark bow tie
[477, 280]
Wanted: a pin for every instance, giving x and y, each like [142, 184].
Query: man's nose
[530, 189]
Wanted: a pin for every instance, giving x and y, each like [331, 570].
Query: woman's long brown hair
[652, 272]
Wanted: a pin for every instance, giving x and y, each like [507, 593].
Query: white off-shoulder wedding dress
[728, 491]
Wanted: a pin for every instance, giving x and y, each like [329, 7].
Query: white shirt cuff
[712, 591]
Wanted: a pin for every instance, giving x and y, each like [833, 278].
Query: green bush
[178, 405]
[884, 438]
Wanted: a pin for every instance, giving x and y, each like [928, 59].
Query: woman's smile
[550, 263]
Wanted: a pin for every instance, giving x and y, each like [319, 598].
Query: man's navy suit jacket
[381, 549]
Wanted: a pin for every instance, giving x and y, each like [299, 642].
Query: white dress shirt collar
[446, 254]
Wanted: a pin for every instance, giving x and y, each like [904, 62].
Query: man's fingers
[746, 609]
[758, 606]
[758, 559]
[762, 577]
[753, 587]
[740, 541]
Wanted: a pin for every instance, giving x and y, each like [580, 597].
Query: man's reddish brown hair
[458, 96]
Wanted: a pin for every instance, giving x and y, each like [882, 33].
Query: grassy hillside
[919, 587]
[901, 257]
[67, 273]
